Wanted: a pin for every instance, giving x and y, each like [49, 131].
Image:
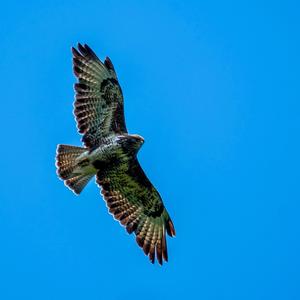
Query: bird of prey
[110, 153]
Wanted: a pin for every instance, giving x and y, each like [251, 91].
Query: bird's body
[89, 161]
[110, 153]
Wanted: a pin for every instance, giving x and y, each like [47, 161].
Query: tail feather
[77, 184]
[66, 165]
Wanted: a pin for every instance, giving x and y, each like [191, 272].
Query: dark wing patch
[134, 201]
[99, 105]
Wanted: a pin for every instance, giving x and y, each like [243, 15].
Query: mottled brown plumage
[111, 155]
[99, 98]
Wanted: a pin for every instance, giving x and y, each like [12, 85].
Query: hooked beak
[139, 138]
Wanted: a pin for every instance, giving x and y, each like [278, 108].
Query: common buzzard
[110, 153]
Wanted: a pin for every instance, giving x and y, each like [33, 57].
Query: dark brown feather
[109, 64]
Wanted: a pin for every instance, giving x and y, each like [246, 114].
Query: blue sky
[213, 87]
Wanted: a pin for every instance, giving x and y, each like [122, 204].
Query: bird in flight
[110, 154]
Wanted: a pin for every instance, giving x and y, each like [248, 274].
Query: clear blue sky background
[214, 89]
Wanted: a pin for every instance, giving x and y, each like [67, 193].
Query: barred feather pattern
[138, 211]
[66, 163]
[65, 160]
[98, 106]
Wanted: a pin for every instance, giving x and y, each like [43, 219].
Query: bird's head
[132, 142]
[138, 139]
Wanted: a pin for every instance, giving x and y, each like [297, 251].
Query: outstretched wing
[134, 201]
[98, 106]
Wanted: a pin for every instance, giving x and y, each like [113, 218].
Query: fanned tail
[69, 170]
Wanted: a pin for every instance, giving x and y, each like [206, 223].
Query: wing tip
[75, 52]
[87, 51]
[170, 228]
[108, 64]
[81, 48]
[155, 248]
[84, 51]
